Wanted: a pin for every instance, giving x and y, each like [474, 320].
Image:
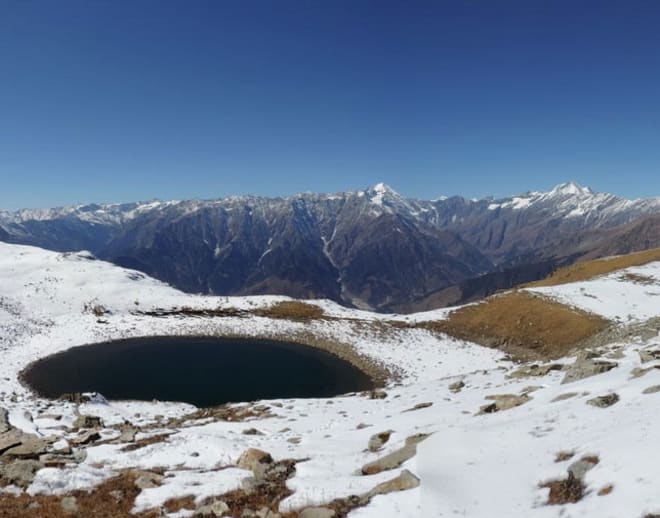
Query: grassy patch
[566, 491]
[589, 269]
[525, 325]
[292, 310]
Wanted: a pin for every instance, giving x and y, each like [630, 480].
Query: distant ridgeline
[371, 249]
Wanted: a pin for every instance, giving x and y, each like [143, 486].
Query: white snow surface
[471, 465]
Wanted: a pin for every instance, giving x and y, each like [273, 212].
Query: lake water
[202, 371]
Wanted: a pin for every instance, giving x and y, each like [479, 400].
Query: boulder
[255, 460]
[88, 421]
[377, 440]
[317, 512]
[503, 402]
[215, 508]
[457, 386]
[584, 367]
[396, 458]
[604, 401]
[20, 472]
[405, 480]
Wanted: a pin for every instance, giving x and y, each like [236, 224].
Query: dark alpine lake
[202, 371]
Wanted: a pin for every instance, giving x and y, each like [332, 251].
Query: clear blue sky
[119, 100]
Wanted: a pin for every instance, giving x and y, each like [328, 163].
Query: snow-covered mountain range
[372, 248]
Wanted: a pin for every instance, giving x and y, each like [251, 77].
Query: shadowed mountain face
[372, 248]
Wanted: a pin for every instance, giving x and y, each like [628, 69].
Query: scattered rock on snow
[584, 367]
[651, 390]
[418, 406]
[457, 386]
[377, 440]
[604, 401]
[534, 369]
[405, 480]
[19, 472]
[254, 460]
[88, 421]
[396, 458]
[213, 509]
[317, 512]
[503, 402]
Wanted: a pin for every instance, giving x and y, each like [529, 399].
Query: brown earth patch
[291, 310]
[586, 270]
[526, 325]
[565, 491]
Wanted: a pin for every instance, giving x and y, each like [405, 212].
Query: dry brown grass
[112, 499]
[525, 325]
[291, 310]
[566, 491]
[589, 269]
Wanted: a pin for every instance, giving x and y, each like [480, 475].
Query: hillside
[456, 425]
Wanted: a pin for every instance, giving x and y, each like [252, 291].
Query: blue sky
[104, 100]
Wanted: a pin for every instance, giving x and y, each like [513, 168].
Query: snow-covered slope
[473, 464]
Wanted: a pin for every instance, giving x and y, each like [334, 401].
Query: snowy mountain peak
[571, 189]
[382, 192]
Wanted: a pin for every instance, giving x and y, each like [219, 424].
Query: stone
[69, 505]
[649, 356]
[147, 479]
[651, 390]
[317, 512]
[419, 406]
[215, 508]
[252, 431]
[127, 433]
[377, 394]
[534, 369]
[585, 367]
[503, 402]
[88, 421]
[405, 480]
[20, 472]
[378, 440]
[255, 460]
[87, 437]
[604, 401]
[18, 444]
[4, 421]
[457, 386]
[562, 397]
[396, 458]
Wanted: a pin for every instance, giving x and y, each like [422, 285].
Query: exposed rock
[128, 433]
[562, 397]
[649, 356]
[252, 431]
[604, 401]
[20, 472]
[419, 406]
[503, 402]
[18, 444]
[69, 505]
[87, 437]
[405, 480]
[377, 440]
[317, 512]
[528, 371]
[88, 421]
[584, 367]
[4, 421]
[147, 479]
[377, 394]
[255, 460]
[215, 508]
[651, 390]
[457, 386]
[396, 458]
